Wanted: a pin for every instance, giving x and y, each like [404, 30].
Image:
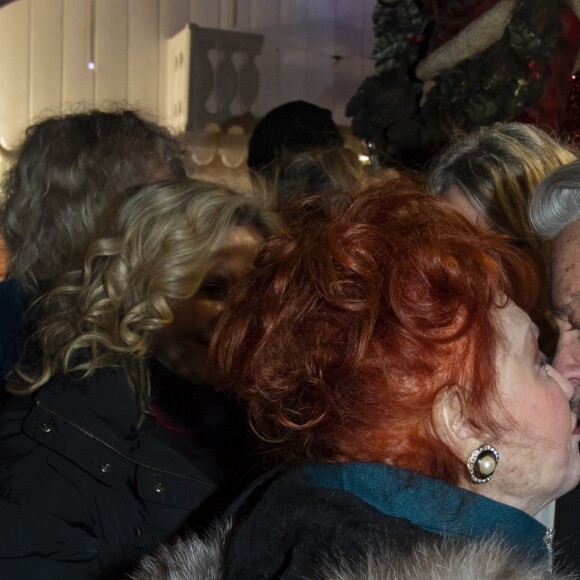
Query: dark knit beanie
[296, 126]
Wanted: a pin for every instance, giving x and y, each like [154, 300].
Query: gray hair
[204, 557]
[555, 202]
[68, 172]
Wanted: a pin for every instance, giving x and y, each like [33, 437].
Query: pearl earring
[482, 462]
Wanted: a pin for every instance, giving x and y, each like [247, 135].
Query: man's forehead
[569, 235]
[565, 272]
[566, 248]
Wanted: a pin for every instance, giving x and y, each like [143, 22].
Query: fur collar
[196, 557]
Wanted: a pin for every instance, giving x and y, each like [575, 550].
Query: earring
[482, 462]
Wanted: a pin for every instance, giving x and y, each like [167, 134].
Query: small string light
[91, 36]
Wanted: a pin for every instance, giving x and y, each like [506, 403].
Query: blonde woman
[490, 175]
[84, 490]
[68, 171]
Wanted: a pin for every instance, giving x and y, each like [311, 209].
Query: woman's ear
[451, 425]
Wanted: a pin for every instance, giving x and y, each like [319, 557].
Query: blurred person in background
[297, 151]
[490, 175]
[57, 194]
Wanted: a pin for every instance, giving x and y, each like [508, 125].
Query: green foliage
[495, 85]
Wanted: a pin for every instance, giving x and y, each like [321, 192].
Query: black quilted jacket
[83, 492]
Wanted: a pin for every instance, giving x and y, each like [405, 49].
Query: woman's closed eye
[213, 291]
[543, 364]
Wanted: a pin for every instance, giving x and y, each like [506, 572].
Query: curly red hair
[340, 342]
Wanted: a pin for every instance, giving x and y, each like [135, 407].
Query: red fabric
[162, 419]
[549, 112]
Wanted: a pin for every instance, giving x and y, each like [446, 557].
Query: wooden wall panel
[321, 49]
[173, 17]
[321, 26]
[14, 70]
[46, 52]
[230, 14]
[111, 51]
[293, 16]
[351, 25]
[300, 39]
[177, 86]
[348, 75]
[349, 28]
[368, 7]
[206, 13]
[143, 55]
[293, 38]
[293, 64]
[267, 64]
[265, 19]
[78, 87]
[319, 85]
[237, 15]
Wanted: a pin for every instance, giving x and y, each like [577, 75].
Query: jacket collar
[104, 403]
[93, 423]
[432, 504]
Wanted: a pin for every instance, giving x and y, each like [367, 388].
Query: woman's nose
[566, 386]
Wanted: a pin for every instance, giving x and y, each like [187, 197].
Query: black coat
[83, 492]
[567, 531]
[287, 526]
[209, 428]
[12, 307]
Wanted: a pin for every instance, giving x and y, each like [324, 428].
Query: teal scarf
[433, 505]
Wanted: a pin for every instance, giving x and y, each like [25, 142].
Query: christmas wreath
[410, 119]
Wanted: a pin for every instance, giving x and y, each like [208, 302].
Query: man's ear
[451, 425]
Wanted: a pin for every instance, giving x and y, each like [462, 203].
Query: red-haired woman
[389, 361]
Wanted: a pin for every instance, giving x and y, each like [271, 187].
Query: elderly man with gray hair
[554, 213]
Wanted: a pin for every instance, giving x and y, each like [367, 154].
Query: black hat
[295, 126]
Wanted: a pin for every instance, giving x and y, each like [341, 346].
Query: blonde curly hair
[159, 247]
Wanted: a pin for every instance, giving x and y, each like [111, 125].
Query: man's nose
[567, 359]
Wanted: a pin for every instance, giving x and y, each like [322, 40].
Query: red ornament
[413, 38]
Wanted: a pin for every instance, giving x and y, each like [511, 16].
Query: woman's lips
[575, 407]
[576, 429]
